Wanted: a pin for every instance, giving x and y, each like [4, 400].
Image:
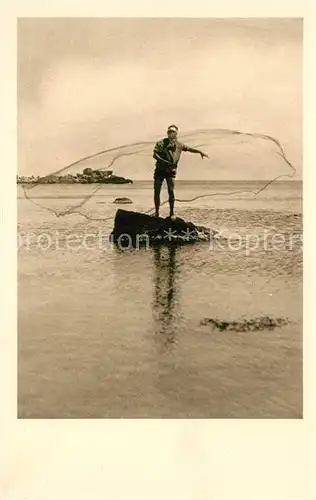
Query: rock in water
[123, 200]
[134, 227]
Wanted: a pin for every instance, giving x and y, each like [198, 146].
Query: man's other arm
[157, 153]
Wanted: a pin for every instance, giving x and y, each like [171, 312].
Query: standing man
[167, 154]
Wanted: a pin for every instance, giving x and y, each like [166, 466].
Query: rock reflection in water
[166, 295]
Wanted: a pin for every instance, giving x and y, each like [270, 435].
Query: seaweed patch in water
[247, 325]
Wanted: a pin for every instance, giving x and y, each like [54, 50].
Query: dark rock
[115, 179]
[87, 171]
[136, 228]
[122, 200]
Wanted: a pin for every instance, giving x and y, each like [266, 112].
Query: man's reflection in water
[165, 295]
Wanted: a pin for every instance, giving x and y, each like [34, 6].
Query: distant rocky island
[88, 176]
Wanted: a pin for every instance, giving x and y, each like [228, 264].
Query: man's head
[172, 132]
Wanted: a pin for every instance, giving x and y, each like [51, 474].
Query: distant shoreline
[88, 176]
[121, 180]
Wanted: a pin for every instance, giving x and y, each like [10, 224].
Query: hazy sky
[88, 84]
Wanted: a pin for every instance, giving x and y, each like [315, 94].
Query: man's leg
[157, 188]
[170, 184]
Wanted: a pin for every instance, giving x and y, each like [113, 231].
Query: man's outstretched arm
[193, 150]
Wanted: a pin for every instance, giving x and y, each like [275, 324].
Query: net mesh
[232, 156]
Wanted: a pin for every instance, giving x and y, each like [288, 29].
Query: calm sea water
[110, 333]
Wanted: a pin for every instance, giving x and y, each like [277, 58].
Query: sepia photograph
[160, 218]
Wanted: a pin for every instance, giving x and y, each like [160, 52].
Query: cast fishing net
[232, 156]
